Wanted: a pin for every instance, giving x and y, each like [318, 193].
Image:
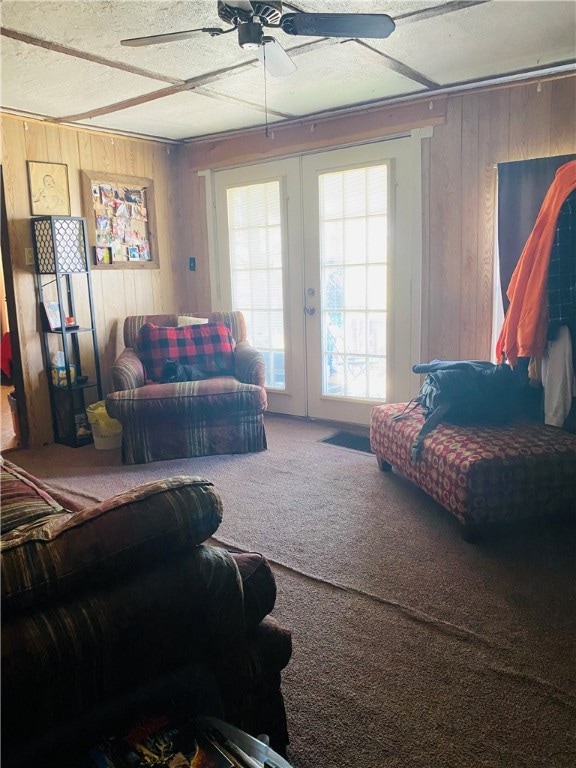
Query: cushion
[258, 585]
[209, 346]
[132, 531]
[189, 320]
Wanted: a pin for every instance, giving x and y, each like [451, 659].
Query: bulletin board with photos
[120, 220]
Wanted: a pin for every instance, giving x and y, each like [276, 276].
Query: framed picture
[51, 311]
[103, 255]
[49, 191]
[120, 219]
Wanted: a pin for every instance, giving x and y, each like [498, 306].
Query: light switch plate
[29, 257]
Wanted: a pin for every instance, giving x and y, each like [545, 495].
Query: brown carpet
[411, 647]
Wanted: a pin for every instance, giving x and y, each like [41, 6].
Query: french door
[322, 253]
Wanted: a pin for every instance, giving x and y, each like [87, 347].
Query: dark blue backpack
[463, 392]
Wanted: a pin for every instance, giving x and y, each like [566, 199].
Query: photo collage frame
[121, 223]
[120, 220]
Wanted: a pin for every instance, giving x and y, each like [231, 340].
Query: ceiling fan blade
[375, 25]
[170, 37]
[275, 58]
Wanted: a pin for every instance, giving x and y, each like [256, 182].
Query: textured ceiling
[63, 60]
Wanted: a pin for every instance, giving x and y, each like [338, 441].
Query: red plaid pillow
[209, 347]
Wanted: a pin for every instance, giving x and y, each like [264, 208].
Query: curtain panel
[522, 187]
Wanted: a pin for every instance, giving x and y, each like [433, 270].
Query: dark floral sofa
[122, 607]
[221, 414]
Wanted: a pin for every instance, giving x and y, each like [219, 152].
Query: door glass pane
[255, 238]
[353, 208]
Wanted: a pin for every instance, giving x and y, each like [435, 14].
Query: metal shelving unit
[65, 288]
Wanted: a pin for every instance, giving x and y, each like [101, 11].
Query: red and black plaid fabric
[209, 347]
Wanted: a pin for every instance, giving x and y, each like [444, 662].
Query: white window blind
[255, 246]
[353, 212]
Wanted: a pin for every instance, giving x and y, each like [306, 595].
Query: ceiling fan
[249, 17]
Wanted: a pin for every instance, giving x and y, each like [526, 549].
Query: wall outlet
[29, 257]
[192, 264]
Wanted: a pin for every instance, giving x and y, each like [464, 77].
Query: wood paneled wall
[472, 133]
[482, 129]
[117, 293]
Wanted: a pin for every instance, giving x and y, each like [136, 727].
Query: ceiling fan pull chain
[266, 131]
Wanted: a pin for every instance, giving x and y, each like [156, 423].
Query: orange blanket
[525, 326]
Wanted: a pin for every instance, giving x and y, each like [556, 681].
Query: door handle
[309, 310]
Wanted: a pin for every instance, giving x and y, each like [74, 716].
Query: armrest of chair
[250, 366]
[128, 371]
[107, 543]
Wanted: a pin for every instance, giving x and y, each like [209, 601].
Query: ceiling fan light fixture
[249, 35]
[249, 17]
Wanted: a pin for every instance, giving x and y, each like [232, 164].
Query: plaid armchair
[218, 415]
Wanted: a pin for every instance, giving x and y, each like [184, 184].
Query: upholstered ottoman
[482, 475]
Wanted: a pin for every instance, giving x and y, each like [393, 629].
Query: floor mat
[349, 440]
